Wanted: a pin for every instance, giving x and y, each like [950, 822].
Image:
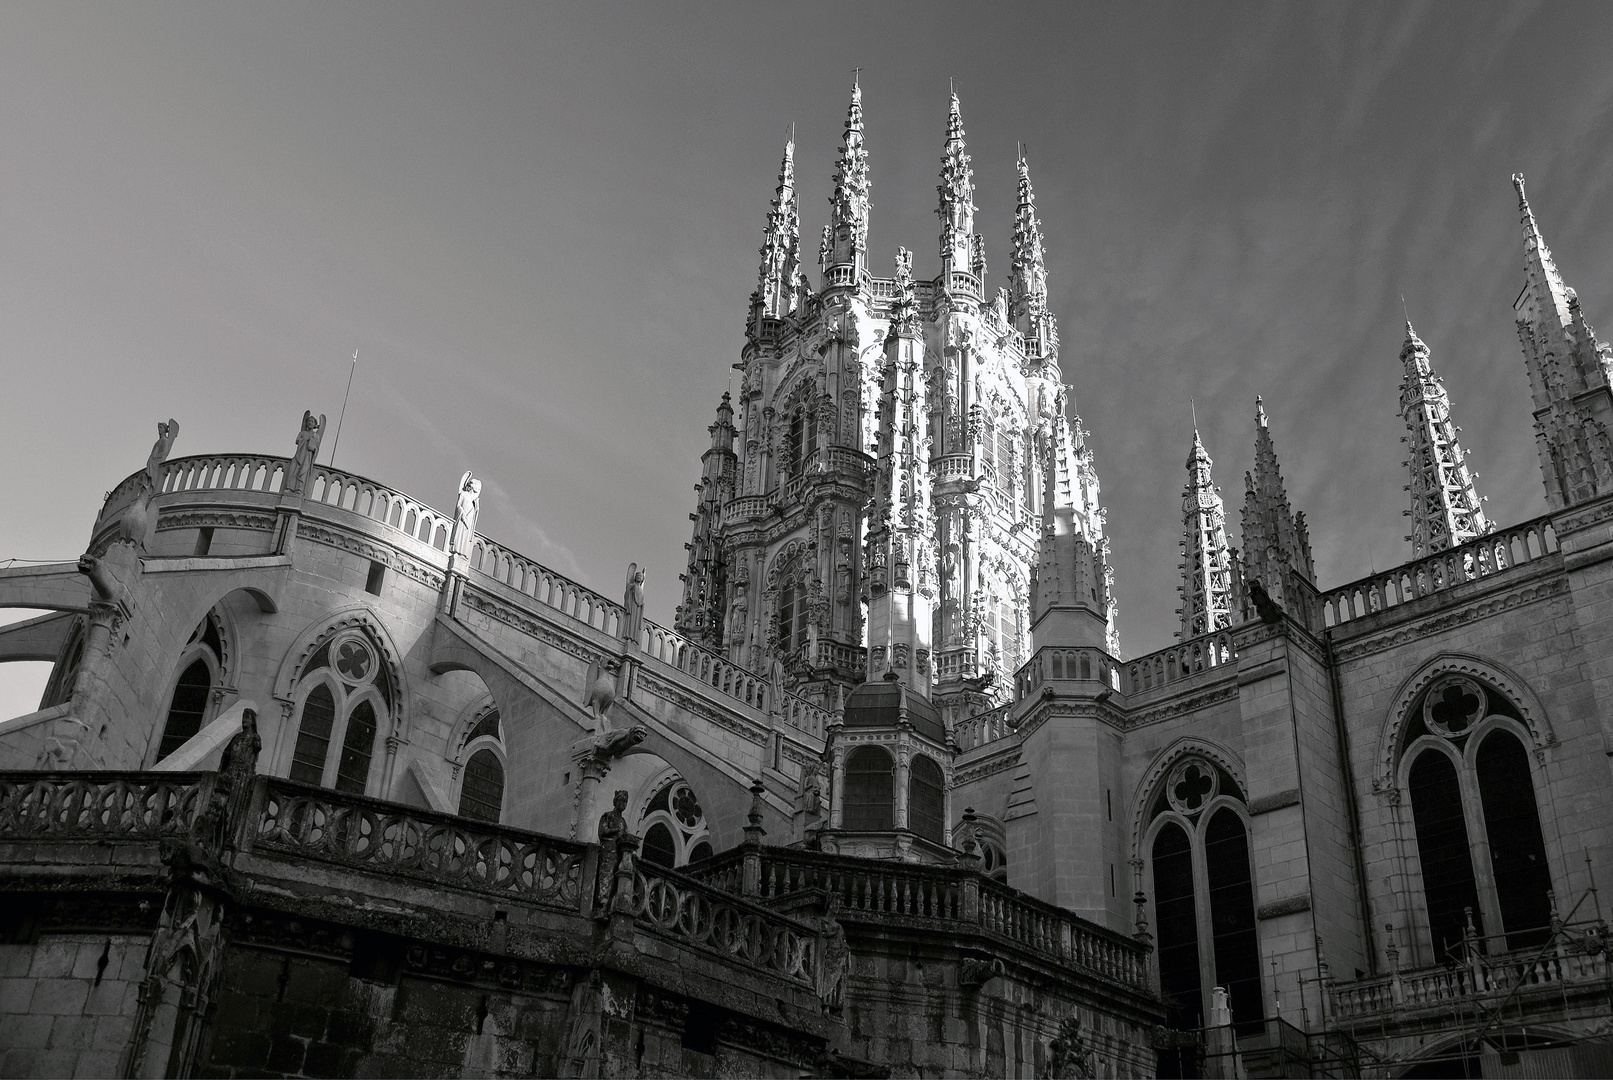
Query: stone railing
[553, 590]
[1065, 665]
[852, 658]
[378, 502]
[985, 728]
[950, 467]
[963, 663]
[692, 911]
[1521, 972]
[1179, 661]
[705, 666]
[1487, 556]
[106, 807]
[746, 508]
[436, 849]
[830, 461]
[871, 890]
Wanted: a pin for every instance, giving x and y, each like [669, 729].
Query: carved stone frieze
[223, 519]
[385, 554]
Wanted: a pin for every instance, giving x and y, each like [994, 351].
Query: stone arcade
[327, 782]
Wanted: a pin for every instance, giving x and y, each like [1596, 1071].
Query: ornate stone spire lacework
[1207, 593]
[846, 240]
[1569, 375]
[1276, 541]
[1027, 285]
[700, 615]
[957, 209]
[780, 283]
[1446, 509]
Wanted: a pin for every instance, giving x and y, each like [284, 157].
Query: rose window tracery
[1453, 706]
[1192, 784]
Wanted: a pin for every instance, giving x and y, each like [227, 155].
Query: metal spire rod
[338, 440]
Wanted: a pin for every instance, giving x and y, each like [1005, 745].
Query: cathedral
[327, 782]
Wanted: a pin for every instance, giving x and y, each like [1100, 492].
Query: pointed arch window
[481, 785]
[190, 704]
[803, 436]
[344, 710]
[673, 824]
[1202, 885]
[1482, 855]
[926, 799]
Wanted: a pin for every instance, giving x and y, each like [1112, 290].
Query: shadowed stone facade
[327, 782]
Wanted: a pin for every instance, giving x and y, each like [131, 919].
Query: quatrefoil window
[353, 659]
[1192, 784]
[1454, 705]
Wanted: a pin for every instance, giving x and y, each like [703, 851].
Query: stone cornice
[1456, 615]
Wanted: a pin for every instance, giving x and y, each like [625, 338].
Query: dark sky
[539, 226]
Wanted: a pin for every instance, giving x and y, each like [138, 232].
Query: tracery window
[190, 704]
[926, 799]
[869, 804]
[1202, 886]
[1483, 858]
[345, 701]
[673, 825]
[803, 436]
[1003, 631]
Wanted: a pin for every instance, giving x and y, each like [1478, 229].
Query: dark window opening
[926, 799]
[486, 727]
[870, 791]
[372, 584]
[700, 1029]
[1442, 844]
[204, 540]
[1176, 915]
[1232, 919]
[658, 846]
[481, 796]
[353, 770]
[700, 851]
[187, 708]
[1517, 850]
[313, 737]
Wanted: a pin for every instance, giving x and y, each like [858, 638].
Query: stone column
[837, 786]
[900, 819]
[592, 769]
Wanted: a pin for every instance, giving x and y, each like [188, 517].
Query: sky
[538, 225]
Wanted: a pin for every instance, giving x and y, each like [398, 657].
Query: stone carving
[1268, 608]
[976, 971]
[309, 436]
[834, 964]
[612, 850]
[466, 509]
[236, 767]
[633, 604]
[166, 434]
[1068, 1057]
[811, 795]
[600, 696]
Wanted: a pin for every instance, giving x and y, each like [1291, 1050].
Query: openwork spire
[957, 209]
[1027, 285]
[1276, 542]
[847, 241]
[1446, 510]
[1072, 584]
[1569, 376]
[780, 283]
[700, 615]
[1207, 590]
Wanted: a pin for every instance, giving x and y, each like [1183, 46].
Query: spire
[1072, 593]
[1276, 542]
[1027, 283]
[1446, 510]
[957, 209]
[700, 615]
[1569, 376]
[781, 281]
[846, 239]
[1206, 559]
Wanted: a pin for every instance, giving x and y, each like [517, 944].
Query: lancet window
[190, 704]
[1485, 873]
[481, 785]
[926, 799]
[803, 436]
[869, 804]
[344, 709]
[793, 610]
[1003, 638]
[1198, 861]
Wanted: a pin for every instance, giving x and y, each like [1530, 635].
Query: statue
[465, 510]
[601, 695]
[809, 797]
[309, 436]
[738, 609]
[834, 963]
[633, 604]
[1270, 611]
[1068, 1057]
[775, 681]
[166, 434]
[612, 833]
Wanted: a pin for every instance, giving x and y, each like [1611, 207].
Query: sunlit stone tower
[1207, 593]
[891, 444]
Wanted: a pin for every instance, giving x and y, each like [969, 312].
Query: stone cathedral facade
[327, 781]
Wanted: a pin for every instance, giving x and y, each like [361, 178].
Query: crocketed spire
[780, 283]
[1206, 559]
[957, 209]
[1569, 376]
[1027, 284]
[1276, 542]
[846, 242]
[1446, 510]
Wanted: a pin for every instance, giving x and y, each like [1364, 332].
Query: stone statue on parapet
[615, 844]
[809, 798]
[833, 963]
[135, 524]
[309, 436]
[466, 508]
[600, 695]
[166, 434]
[633, 604]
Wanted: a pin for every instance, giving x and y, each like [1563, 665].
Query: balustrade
[1487, 556]
[1179, 661]
[101, 806]
[1065, 665]
[553, 590]
[691, 911]
[987, 727]
[1508, 974]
